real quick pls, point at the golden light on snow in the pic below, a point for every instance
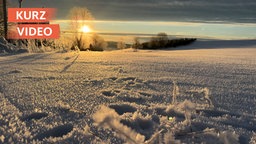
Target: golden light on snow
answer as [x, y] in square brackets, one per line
[85, 29]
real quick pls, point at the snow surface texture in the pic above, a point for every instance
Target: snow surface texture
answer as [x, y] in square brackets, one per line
[180, 96]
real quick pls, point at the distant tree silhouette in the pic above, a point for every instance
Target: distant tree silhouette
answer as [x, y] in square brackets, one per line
[161, 40]
[121, 44]
[136, 43]
[97, 43]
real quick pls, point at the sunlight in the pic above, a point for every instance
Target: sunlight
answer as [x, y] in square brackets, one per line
[85, 29]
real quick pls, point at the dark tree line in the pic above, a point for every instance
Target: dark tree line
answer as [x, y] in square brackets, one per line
[161, 40]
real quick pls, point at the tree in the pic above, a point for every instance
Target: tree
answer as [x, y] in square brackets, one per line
[5, 26]
[162, 36]
[79, 16]
[97, 43]
[3, 18]
[159, 41]
[121, 44]
[136, 43]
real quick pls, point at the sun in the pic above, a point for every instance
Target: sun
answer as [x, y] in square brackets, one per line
[85, 29]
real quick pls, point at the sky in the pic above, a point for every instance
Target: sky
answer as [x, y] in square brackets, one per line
[232, 19]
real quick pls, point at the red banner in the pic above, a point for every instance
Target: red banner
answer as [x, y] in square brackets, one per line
[35, 31]
[30, 14]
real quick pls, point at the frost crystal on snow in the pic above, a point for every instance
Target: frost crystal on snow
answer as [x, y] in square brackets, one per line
[229, 137]
[108, 118]
[207, 97]
[253, 138]
[188, 107]
[2, 138]
[175, 92]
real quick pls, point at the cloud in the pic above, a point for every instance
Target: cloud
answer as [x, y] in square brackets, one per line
[158, 10]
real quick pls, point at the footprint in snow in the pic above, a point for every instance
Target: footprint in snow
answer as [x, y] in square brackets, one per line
[35, 116]
[15, 72]
[124, 108]
[113, 78]
[108, 93]
[58, 131]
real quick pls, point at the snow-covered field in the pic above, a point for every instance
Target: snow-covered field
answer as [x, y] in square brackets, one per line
[125, 96]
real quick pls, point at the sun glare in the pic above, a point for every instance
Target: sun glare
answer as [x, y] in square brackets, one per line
[86, 29]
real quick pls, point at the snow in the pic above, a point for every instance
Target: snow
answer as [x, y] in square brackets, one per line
[6, 47]
[90, 97]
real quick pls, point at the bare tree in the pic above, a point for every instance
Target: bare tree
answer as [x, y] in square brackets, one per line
[79, 17]
[136, 43]
[121, 44]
